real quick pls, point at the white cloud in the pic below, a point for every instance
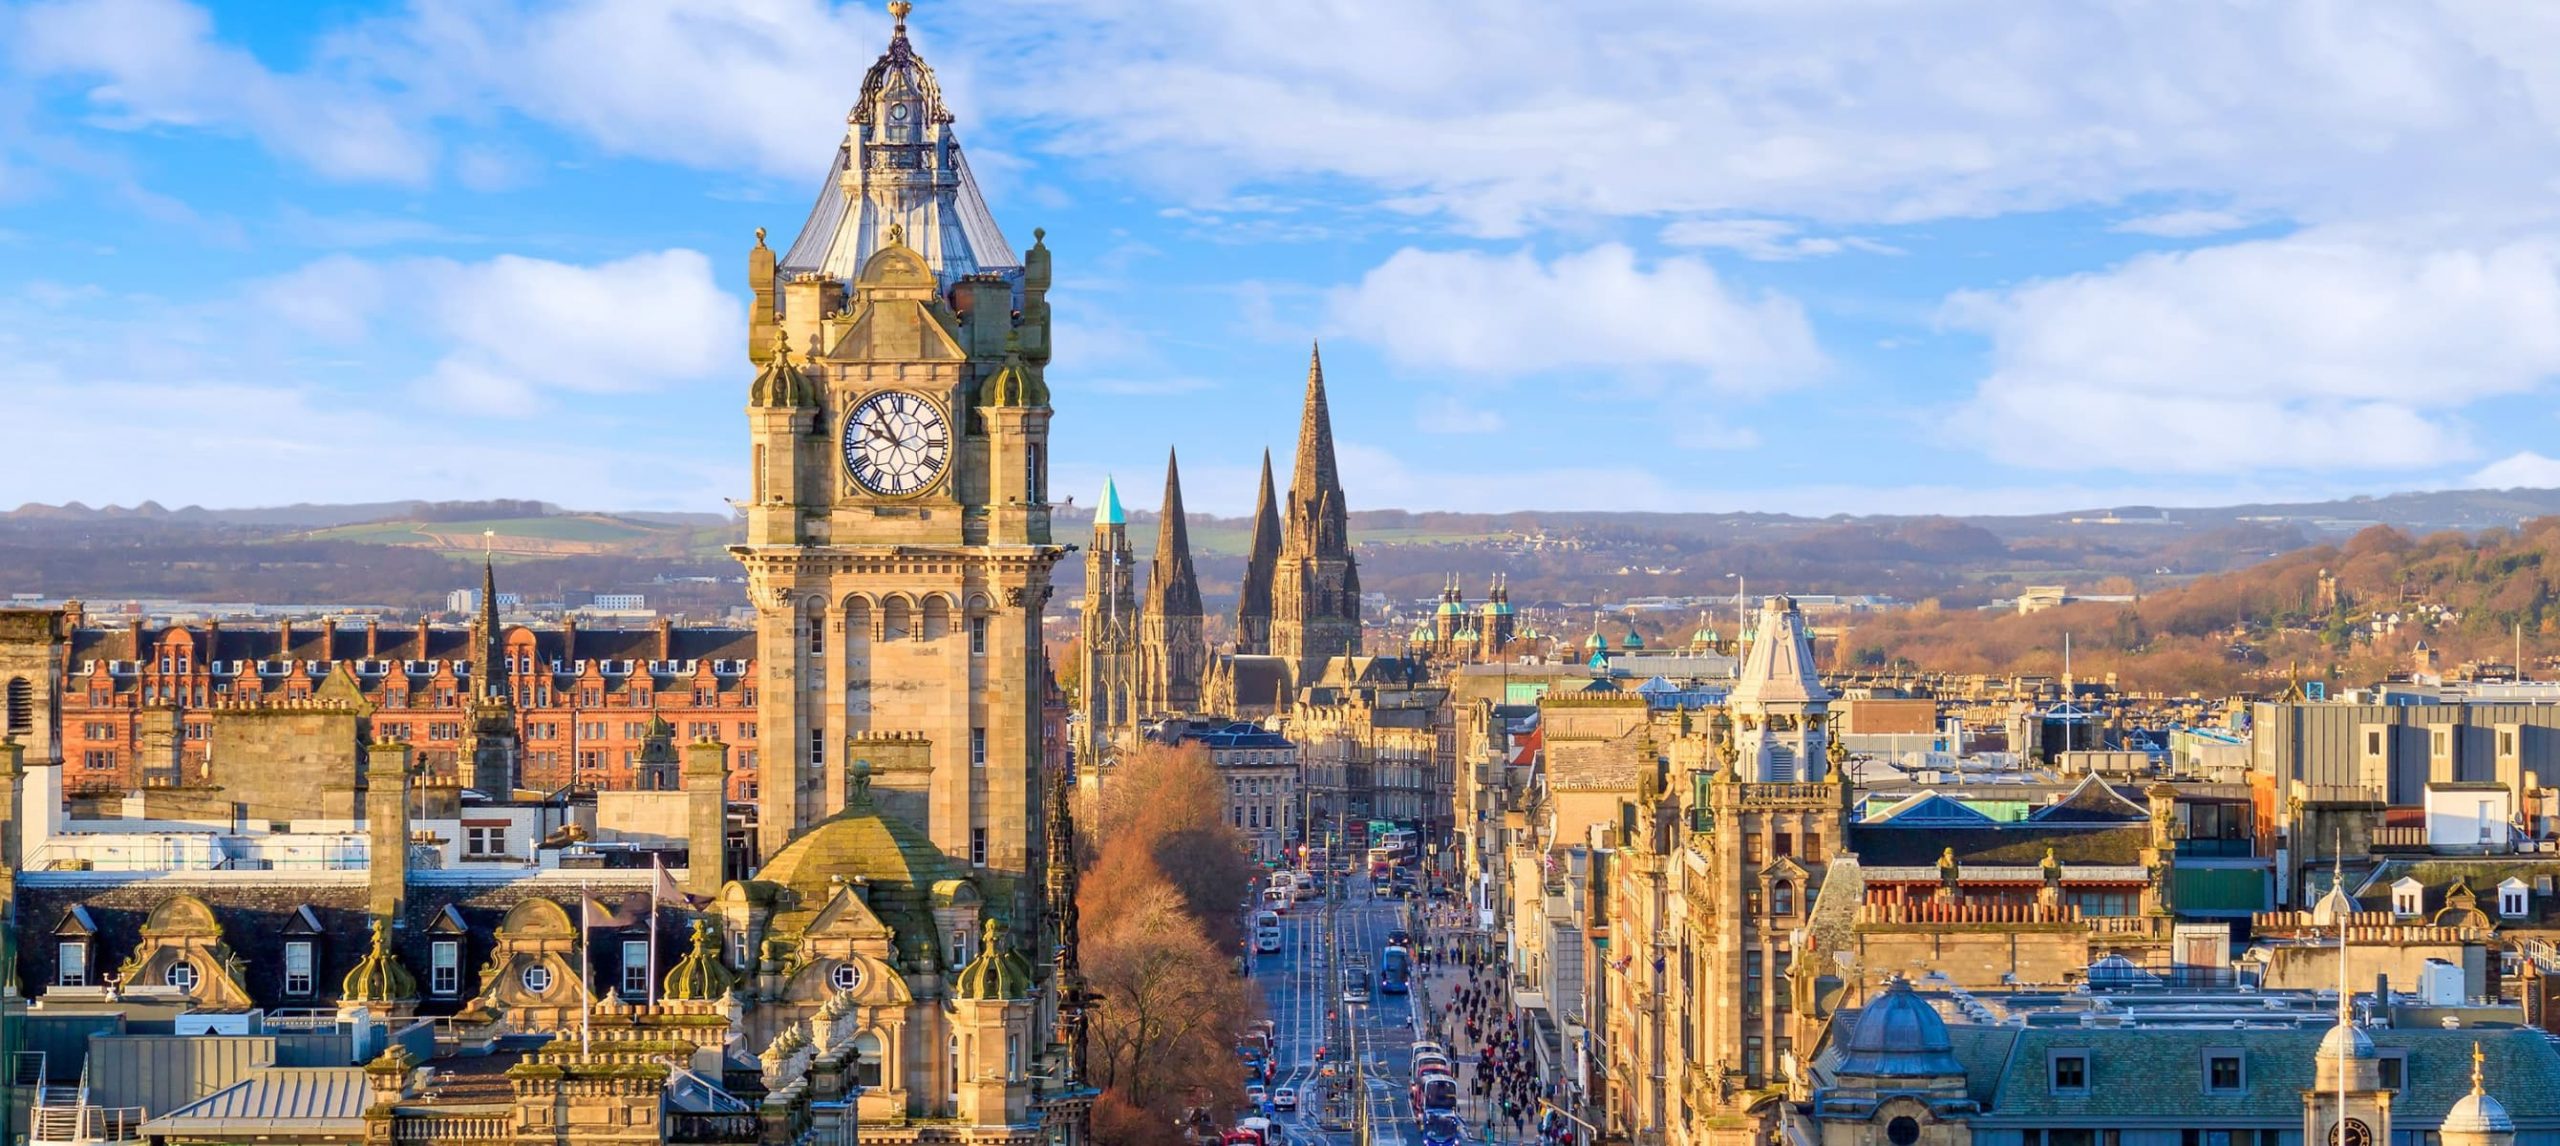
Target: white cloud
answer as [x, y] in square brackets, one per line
[1596, 311]
[2522, 470]
[2184, 224]
[514, 330]
[762, 84]
[158, 63]
[1449, 414]
[1768, 240]
[2312, 352]
[1508, 114]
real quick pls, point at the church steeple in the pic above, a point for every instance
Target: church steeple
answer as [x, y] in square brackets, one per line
[490, 675]
[1315, 591]
[1253, 595]
[1172, 584]
[1315, 487]
[1171, 649]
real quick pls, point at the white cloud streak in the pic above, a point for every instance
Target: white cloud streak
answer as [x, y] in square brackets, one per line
[1595, 311]
[2330, 352]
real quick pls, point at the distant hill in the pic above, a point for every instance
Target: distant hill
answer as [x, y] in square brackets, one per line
[2468, 596]
[1550, 557]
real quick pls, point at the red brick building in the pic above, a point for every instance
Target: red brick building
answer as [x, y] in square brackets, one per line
[138, 703]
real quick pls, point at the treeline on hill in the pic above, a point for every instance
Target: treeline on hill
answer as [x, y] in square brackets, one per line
[495, 509]
[104, 562]
[2250, 629]
[1160, 900]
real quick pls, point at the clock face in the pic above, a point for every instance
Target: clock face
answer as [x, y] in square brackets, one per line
[2352, 1132]
[896, 444]
[898, 111]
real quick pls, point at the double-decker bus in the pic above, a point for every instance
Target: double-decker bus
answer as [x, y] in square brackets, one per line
[1266, 931]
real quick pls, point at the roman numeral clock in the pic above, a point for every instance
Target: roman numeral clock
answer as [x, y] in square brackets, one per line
[896, 444]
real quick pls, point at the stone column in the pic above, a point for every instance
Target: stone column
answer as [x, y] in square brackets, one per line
[386, 813]
[706, 807]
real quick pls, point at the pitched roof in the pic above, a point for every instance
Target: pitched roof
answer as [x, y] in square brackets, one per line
[2094, 801]
[290, 1100]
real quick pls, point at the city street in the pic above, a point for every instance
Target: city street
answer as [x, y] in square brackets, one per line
[1302, 987]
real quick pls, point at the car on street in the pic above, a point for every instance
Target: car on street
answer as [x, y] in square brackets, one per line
[1399, 938]
[1443, 1130]
[1285, 1098]
[1253, 1093]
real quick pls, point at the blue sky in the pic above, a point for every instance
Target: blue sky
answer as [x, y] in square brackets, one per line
[1855, 256]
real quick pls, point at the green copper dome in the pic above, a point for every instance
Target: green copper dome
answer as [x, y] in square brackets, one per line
[699, 976]
[1596, 643]
[379, 977]
[895, 859]
[1635, 640]
[997, 973]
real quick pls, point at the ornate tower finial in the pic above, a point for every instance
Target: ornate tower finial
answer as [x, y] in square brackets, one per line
[2477, 1060]
[898, 10]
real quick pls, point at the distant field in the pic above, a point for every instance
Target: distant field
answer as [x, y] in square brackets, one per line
[561, 535]
[1231, 541]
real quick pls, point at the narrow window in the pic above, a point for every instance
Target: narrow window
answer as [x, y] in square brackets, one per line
[444, 963]
[71, 964]
[977, 636]
[977, 747]
[635, 967]
[297, 968]
[977, 847]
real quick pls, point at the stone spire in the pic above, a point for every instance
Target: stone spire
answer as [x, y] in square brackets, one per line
[1315, 590]
[1253, 595]
[490, 675]
[1172, 585]
[1315, 486]
[1171, 649]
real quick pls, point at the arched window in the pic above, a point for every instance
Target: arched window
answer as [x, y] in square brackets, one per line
[937, 618]
[866, 1061]
[1782, 898]
[897, 619]
[22, 705]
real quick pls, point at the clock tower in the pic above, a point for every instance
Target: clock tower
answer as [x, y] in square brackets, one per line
[898, 551]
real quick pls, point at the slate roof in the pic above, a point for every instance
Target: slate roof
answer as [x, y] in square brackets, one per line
[2093, 801]
[254, 918]
[1892, 845]
[2439, 874]
[2153, 1076]
[279, 1100]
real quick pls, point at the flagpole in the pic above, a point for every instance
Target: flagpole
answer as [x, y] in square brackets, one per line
[657, 876]
[586, 990]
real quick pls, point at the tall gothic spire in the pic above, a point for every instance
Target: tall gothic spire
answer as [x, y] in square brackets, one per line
[490, 673]
[1253, 595]
[1173, 587]
[1315, 475]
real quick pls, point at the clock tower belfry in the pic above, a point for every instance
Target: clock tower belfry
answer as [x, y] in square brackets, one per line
[898, 551]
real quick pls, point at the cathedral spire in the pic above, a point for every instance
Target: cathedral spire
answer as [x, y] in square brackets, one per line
[1253, 595]
[1172, 652]
[1315, 476]
[1173, 587]
[490, 673]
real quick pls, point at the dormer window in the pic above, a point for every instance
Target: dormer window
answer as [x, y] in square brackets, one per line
[2513, 900]
[2406, 897]
[71, 963]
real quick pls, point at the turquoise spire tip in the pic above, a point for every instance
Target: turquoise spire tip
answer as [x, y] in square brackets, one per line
[1110, 513]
